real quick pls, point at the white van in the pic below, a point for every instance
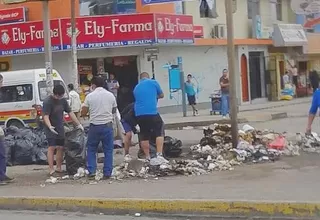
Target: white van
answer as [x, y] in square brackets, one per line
[22, 94]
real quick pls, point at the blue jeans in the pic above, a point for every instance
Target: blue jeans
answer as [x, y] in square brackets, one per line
[3, 165]
[97, 134]
[224, 104]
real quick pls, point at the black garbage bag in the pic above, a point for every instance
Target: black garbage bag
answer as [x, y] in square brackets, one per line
[9, 144]
[75, 151]
[27, 133]
[12, 130]
[41, 144]
[24, 152]
[172, 147]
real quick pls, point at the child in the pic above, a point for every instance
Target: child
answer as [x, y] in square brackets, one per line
[113, 85]
[191, 94]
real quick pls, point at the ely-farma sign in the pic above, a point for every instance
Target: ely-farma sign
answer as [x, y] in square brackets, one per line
[305, 7]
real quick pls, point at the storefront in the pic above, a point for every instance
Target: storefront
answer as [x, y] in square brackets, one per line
[117, 45]
[285, 54]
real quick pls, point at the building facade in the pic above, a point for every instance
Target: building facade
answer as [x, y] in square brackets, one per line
[202, 48]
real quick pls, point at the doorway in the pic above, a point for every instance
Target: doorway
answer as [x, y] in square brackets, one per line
[255, 74]
[244, 78]
[282, 71]
[126, 72]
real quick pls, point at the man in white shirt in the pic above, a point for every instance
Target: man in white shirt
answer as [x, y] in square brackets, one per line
[101, 105]
[75, 101]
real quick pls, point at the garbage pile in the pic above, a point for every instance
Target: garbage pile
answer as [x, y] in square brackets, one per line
[309, 142]
[25, 146]
[215, 153]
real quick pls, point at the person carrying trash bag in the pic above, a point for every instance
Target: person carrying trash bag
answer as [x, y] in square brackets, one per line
[102, 108]
[54, 107]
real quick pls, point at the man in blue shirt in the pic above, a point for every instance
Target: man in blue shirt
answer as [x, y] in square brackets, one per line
[313, 109]
[191, 94]
[146, 95]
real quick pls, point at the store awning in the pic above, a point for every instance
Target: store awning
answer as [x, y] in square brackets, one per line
[313, 46]
[289, 35]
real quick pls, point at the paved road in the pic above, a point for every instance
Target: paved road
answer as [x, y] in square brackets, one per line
[25, 215]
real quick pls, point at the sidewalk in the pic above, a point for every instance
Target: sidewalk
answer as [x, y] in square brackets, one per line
[287, 188]
[247, 113]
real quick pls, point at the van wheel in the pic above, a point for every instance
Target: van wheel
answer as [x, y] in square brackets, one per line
[15, 123]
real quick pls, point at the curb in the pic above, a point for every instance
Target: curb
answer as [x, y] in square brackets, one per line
[277, 106]
[280, 115]
[164, 207]
[180, 125]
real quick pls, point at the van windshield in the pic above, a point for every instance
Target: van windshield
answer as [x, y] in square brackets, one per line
[43, 89]
[16, 93]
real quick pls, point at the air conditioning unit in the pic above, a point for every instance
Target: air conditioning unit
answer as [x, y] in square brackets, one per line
[219, 31]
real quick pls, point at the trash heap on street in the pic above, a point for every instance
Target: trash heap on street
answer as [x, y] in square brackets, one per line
[309, 142]
[215, 153]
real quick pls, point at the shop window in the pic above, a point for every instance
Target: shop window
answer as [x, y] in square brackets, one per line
[253, 7]
[208, 9]
[279, 10]
[96, 7]
[17, 93]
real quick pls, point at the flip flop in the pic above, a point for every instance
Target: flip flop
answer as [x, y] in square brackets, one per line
[51, 173]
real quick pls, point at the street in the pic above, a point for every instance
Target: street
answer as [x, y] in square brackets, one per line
[15, 215]
[289, 179]
[26, 215]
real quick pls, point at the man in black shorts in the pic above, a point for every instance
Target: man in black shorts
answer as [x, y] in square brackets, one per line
[146, 95]
[54, 107]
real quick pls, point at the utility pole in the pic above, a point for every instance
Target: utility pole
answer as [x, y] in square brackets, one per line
[232, 74]
[183, 90]
[75, 76]
[47, 46]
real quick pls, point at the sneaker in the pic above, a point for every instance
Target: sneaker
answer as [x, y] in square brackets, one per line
[127, 158]
[2, 183]
[197, 113]
[224, 117]
[8, 179]
[91, 177]
[157, 161]
[106, 177]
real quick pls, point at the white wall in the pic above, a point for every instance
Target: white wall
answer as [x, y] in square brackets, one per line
[240, 18]
[205, 63]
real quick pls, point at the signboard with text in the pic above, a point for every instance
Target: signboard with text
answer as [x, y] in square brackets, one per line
[27, 37]
[305, 7]
[98, 32]
[151, 2]
[174, 29]
[198, 31]
[12, 15]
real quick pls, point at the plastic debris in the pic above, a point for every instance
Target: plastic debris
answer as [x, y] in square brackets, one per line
[188, 128]
[52, 180]
[65, 177]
